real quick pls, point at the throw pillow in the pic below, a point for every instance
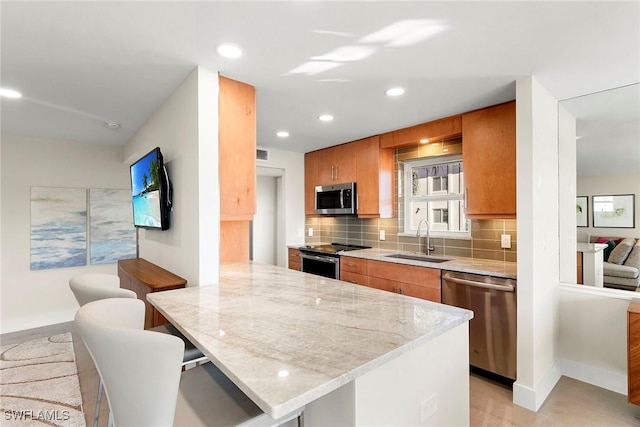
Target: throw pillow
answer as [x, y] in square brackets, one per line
[615, 240]
[633, 260]
[621, 251]
[607, 251]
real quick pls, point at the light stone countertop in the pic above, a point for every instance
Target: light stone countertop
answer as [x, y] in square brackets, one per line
[460, 264]
[287, 338]
[590, 247]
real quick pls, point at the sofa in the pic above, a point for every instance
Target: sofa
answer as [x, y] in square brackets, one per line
[621, 267]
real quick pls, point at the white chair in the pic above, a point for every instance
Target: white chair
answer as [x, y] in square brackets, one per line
[89, 287]
[142, 376]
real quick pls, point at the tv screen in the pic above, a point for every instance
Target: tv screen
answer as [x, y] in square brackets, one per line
[150, 192]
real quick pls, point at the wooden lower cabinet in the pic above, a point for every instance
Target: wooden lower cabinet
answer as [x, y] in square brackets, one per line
[144, 277]
[419, 282]
[633, 353]
[294, 260]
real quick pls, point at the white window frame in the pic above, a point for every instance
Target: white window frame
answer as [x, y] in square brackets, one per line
[433, 197]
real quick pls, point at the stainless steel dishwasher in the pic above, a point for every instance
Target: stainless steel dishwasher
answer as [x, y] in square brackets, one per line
[492, 331]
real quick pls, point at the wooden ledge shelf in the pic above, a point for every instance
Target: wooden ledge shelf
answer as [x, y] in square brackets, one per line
[144, 277]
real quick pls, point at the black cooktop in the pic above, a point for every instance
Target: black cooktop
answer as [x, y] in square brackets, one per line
[333, 248]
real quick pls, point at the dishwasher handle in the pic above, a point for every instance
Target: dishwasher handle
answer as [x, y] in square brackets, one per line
[503, 288]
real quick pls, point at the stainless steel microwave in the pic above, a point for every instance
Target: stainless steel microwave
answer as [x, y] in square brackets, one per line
[338, 199]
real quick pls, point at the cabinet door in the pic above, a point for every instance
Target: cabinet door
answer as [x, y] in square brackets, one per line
[310, 182]
[325, 167]
[344, 159]
[384, 284]
[633, 353]
[489, 161]
[237, 136]
[358, 279]
[422, 292]
[374, 178]
[294, 259]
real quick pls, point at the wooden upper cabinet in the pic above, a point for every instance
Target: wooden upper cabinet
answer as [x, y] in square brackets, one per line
[237, 136]
[435, 130]
[336, 165]
[310, 182]
[374, 179]
[489, 161]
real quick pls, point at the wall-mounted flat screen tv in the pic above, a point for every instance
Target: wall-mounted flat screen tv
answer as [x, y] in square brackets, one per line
[151, 192]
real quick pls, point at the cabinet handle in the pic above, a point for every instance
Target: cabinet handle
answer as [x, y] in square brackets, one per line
[333, 173]
[337, 173]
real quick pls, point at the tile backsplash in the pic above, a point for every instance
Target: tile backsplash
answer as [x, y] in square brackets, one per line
[484, 242]
[485, 234]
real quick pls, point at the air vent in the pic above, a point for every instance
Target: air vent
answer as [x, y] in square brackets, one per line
[262, 154]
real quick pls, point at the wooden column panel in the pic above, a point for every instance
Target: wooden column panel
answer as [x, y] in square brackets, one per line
[237, 148]
[234, 241]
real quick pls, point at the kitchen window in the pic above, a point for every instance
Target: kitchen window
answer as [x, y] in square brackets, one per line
[434, 191]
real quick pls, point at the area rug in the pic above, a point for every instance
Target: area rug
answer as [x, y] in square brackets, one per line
[39, 383]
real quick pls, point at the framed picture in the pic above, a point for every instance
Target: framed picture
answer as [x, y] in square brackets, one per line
[582, 212]
[614, 211]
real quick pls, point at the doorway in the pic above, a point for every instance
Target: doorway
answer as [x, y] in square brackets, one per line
[267, 227]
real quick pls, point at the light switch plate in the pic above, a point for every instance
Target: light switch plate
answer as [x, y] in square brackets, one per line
[505, 241]
[383, 235]
[310, 232]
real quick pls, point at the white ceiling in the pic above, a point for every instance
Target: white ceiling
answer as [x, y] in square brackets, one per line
[79, 64]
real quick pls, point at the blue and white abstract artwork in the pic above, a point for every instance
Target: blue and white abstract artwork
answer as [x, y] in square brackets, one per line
[58, 227]
[113, 236]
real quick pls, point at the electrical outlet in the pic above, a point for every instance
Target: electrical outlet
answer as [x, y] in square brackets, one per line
[505, 241]
[383, 235]
[310, 232]
[428, 407]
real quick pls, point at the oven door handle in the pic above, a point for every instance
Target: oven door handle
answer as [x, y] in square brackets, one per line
[320, 258]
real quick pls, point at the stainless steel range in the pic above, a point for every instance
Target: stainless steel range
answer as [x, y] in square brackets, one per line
[324, 260]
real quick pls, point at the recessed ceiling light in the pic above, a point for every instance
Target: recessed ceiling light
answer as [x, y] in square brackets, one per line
[325, 117]
[282, 133]
[229, 50]
[395, 91]
[112, 125]
[10, 93]
[424, 140]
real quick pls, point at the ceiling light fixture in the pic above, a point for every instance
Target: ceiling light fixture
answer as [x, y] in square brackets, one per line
[424, 140]
[282, 133]
[325, 117]
[229, 50]
[112, 125]
[10, 93]
[395, 91]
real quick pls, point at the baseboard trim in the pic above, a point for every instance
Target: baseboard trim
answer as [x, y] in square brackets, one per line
[598, 377]
[532, 399]
[37, 321]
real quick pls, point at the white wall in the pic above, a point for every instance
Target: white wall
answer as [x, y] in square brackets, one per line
[593, 328]
[292, 199]
[612, 184]
[538, 265]
[567, 195]
[36, 298]
[185, 127]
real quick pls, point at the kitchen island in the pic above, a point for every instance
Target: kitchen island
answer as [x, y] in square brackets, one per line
[350, 355]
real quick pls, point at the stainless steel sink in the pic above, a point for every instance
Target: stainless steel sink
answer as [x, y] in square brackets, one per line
[423, 258]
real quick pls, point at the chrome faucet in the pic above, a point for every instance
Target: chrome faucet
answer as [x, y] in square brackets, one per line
[428, 249]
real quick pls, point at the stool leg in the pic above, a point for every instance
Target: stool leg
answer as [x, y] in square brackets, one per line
[98, 402]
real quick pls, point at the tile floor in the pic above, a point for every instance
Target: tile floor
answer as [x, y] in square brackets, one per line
[571, 403]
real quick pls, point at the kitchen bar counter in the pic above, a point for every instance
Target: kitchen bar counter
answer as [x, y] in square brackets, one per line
[353, 355]
[460, 264]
